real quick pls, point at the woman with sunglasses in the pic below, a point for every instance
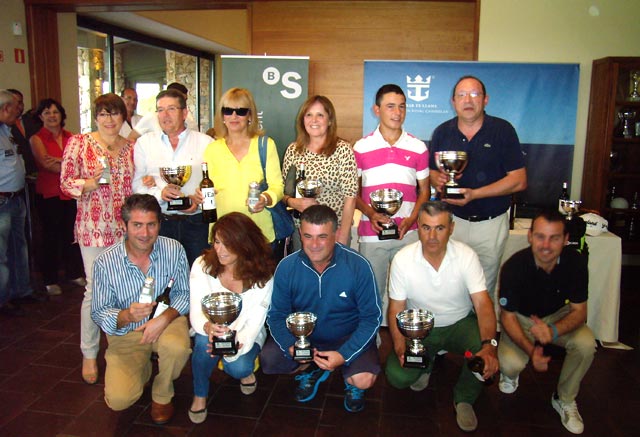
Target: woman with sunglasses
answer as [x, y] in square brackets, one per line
[97, 170]
[234, 162]
[57, 211]
[238, 261]
[327, 158]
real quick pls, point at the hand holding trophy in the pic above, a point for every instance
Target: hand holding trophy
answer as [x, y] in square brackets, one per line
[223, 308]
[453, 163]
[301, 325]
[415, 324]
[177, 175]
[387, 201]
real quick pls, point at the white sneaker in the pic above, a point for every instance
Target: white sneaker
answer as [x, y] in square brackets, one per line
[569, 414]
[80, 281]
[421, 383]
[54, 290]
[508, 385]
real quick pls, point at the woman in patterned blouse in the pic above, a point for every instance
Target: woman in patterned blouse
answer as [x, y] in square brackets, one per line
[98, 222]
[327, 158]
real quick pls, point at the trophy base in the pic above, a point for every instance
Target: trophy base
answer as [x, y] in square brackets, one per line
[179, 204]
[414, 361]
[302, 353]
[389, 233]
[222, 346]
[452, 192]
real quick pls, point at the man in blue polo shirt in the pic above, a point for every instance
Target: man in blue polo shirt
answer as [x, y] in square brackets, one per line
[494, 171]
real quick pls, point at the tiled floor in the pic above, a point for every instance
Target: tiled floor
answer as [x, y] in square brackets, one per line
[41, 393]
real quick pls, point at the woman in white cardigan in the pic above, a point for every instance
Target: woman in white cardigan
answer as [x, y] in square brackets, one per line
[238, 261]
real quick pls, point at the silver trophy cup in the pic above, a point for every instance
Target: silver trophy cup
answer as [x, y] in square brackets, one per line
[415, 324]
[634, 96]
[453, 163]
[178, 175]
[626, 117]
[569, 207]
[223, 308]
[301, 325]
[387, 201]
[309, 188]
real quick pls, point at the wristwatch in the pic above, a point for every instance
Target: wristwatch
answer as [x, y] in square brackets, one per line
[492, 341]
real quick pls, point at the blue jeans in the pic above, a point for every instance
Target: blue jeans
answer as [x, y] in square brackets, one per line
[14, 262]
[190, 232]
[202, 364]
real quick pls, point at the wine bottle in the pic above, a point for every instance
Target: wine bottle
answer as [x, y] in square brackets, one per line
[148, 290]
[162, 302]
[209, 211]
[301, 177]
[564, 195]
[476, 365]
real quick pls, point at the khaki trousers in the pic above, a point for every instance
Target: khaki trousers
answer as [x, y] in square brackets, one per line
[129, 365]
[579, 344]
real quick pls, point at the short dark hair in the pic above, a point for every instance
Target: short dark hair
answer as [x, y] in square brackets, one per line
[142, 202]
[111, 103]
[468, 76]
[319, 215]
[15, 91]
[551, 215]
[127, 88]
[179, 87]
[175, 94]
[435, 207]
[48, 103]
[386, 89]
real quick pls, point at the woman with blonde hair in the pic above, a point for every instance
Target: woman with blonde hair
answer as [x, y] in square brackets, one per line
[234, 162]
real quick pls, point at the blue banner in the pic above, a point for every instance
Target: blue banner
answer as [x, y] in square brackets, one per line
[539, 100]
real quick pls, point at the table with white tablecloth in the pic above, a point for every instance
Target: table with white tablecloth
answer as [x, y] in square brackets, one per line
[605, 263]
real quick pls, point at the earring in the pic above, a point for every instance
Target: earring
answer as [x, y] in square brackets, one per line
[249, 122]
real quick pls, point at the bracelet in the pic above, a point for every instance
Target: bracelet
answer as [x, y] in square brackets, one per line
[555, 331]
[266, 199]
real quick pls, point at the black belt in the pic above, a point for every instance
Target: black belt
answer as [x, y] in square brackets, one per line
[11, 194]
[478, 218]
[175, 217]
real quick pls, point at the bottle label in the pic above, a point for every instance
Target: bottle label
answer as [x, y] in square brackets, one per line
[145, 297]
[161, 308]
[209, 201]
[478, 376]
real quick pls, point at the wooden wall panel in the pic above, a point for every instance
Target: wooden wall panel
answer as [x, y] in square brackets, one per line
[339, 36]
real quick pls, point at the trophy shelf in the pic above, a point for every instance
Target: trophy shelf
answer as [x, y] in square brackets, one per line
[612, 159]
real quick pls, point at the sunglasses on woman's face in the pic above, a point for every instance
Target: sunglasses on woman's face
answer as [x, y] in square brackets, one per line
[240, 112]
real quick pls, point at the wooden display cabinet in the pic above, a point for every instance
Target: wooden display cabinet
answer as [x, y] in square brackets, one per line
[612, 159]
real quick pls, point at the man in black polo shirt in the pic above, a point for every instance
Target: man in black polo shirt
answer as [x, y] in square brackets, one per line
[543, 296]
[494, 171]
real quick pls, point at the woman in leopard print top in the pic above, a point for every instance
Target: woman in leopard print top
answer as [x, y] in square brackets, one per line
[327, 158]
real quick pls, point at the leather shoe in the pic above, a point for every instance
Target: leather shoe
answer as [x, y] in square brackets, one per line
[11, 310]
[161, 413]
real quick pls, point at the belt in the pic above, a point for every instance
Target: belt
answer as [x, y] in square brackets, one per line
[11, 194]
[478, 218]
[175, 217]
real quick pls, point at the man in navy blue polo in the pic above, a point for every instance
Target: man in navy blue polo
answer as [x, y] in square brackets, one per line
[494, 171]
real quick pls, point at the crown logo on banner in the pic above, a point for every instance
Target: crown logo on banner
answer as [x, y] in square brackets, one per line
[418, 88]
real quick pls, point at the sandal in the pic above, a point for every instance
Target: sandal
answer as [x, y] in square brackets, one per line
[249, 387]
[89, 377]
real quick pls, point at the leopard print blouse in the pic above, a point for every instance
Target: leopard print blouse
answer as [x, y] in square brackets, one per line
[338, 173]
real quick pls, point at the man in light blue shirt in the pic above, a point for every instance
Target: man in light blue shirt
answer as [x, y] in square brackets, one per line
[119, 274]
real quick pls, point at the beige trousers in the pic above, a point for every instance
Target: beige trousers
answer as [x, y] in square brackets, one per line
[579, 344]
[129, 365]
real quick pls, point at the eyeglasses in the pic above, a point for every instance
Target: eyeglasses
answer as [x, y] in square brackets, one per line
[170, 109]
[472, 94]
[241, 112]
[104, 115]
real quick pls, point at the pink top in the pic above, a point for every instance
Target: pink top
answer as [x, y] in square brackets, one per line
[98, 221]
[48, 182]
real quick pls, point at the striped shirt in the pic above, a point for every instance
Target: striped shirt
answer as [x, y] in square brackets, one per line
[381, 165]
[117, 282]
